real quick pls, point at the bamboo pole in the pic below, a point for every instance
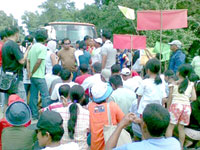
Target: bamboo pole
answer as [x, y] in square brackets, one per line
[161, 29]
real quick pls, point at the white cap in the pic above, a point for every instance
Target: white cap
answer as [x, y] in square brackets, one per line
[98, 40]
[101, 91]
[176, 42]
[125, 71]
[106, 73]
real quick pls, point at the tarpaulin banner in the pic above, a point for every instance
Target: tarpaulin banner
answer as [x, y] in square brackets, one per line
[171, 19]
[165, 50]
[129, 41]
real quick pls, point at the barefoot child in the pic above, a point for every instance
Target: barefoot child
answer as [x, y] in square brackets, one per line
[180, 94]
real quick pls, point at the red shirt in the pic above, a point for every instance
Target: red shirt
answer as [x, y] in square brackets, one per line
[134, 73]
[1, 45]
[80, 80]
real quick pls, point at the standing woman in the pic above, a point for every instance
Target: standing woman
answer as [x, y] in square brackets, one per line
[51, 58]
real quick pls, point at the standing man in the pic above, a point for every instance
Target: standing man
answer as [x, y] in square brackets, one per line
[66, 56]
[36, 72]
[178, 57]
[108, 53]
[96, 57]
[12, 61]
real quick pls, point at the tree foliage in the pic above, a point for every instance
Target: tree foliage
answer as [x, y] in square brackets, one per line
[6, 20]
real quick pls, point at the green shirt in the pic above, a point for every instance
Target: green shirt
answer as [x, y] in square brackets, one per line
[38, 51]
[124, 98]
[18, 138]
[196, 65]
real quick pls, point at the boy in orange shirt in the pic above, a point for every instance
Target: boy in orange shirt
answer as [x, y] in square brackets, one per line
[99, 116]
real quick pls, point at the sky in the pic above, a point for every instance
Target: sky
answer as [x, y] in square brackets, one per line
[17, 7]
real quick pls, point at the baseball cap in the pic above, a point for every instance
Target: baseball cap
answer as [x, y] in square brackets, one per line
[176, 42]
[98, 40]
[125, 71]
[101, 91]
[106, 74]
[49, 120]
[18, 113]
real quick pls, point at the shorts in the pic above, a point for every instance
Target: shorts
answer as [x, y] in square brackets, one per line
[180, 113]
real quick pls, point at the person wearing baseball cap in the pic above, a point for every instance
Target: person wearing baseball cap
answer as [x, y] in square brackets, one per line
[50, 131]
[130, 82]
[100, 92]
[96, 56]
[178, 57]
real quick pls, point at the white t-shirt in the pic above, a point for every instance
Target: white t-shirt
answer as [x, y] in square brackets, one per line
[96, 56]
[78, 53]
[48, 64]
[151, 93]
[68, 146]
[162, 76]
[55, 94]
[90, 81]
[132, 83]
[49, 79]
[108, 50]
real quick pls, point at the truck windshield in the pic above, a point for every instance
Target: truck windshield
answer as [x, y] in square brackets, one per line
[74, 32]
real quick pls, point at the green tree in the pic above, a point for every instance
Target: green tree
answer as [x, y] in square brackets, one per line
[54, 10]
[32, 21]
[6, 20]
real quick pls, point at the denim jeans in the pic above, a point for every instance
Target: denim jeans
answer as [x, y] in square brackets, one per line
[21, 91]
[38, 84]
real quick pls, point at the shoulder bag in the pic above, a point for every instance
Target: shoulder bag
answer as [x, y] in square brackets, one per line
[7, 81]
[124, 137]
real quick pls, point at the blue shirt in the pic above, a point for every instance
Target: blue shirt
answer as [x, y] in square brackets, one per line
[153, 144]
[85, 58]
[177, 58]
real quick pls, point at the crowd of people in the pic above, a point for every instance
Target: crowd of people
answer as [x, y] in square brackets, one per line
[64, 95]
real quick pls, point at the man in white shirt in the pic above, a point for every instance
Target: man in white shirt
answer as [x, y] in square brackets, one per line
[96, 56]
[108, 53]
[130, 82]
[55, 75]
[66, 77]
[90, 81]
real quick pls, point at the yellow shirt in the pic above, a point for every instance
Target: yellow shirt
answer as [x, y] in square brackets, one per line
[182, 98]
